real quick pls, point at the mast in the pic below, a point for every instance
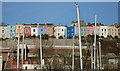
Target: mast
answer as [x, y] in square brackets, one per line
[22, 49]
[92, 58]
[78, 17]
[73, 55]
[100, 54]
[41, 52]
[95, 43]
[18, 47]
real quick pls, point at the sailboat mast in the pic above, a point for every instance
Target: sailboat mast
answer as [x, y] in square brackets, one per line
[100, 53]
[41, 52]
[22, 49]
[78, 17]
[18, 47]
[95, 43]
[73, 55]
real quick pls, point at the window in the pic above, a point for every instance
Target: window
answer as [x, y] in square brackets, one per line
[18, 26]
[105, 29]
[102, 33]
[2, 31]
[10, 30]
[68, 34]
[118, 29]
[62, 29]
[68, 30]
[26, 30]
[72, 34]
[41, 29]
[48, 30]
[58, 34]
[72, 29]
[33, 30]
[102, 29]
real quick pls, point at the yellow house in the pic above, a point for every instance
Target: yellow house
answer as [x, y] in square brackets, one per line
[19, 27]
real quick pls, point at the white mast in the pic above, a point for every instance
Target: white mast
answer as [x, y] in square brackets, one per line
[23, 49]
[18, 47]
[95, 43]
[41, 51]
[73, 55]
[91, 58]
[78, 15]
[100, 53]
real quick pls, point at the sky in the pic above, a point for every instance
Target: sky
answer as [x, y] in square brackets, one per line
[58, 12]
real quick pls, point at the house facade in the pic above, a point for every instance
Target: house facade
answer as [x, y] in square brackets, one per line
[41, 29]
[113, 31]
[11, 31]
[34, 29]
[20, 28]
[90, 30]
[72, 31]
[3, 31]
[60, 31]
[27, 32]
[83, 31]
[50, 29]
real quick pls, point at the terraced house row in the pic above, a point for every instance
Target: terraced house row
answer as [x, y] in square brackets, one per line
[11, 31]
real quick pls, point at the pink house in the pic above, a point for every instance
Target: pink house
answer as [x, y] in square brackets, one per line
[90, 30]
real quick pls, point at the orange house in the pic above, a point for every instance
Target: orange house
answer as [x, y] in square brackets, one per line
[49, 29]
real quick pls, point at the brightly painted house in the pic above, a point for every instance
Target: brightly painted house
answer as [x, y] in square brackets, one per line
[41, 29]
[27, 32]
[11, 31]
[50, 29]
[90, 30]
[34, 29]
[60, 31]
[83, 31]
[72, 31]
[20, 28]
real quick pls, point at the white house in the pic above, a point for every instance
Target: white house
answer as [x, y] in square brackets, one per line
[3, 32]
[106, 30]
[34, 29]
[60, 31]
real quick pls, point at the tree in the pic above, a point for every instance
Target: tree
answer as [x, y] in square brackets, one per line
[45, 36]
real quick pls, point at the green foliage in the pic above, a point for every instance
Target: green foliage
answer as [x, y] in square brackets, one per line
[84, 52]
[45, 36]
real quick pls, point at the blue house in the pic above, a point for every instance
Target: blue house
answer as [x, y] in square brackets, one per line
[11, 31]
[41, 30]
[72, 31]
